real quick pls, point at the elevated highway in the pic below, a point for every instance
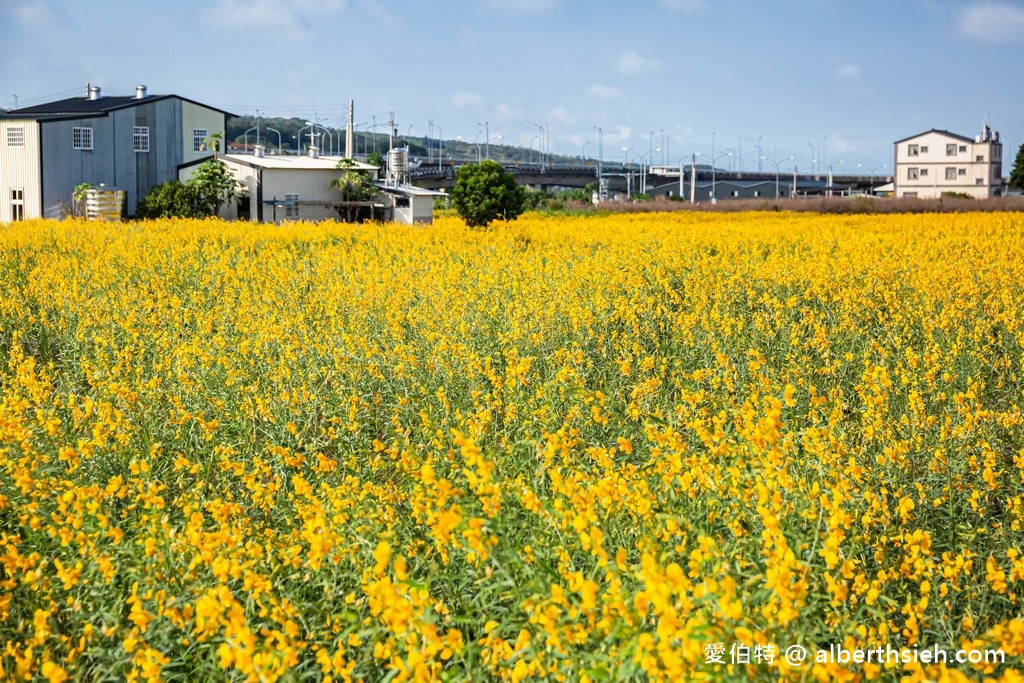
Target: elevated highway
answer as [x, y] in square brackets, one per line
[547, 176]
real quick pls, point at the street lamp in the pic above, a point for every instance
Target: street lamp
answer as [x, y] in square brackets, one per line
[278, 139]
[245, 137]
[714, 160]
[643, 169]
[871, 170]
[829, 166]
[540, 142]
[777, 164]
[583, 155]
[535, 137]
[440, 146]
[487, 138]
[600, 155]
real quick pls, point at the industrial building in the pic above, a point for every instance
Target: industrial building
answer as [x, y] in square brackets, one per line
[129, 142]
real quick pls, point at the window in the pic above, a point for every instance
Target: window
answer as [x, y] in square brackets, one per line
[950, 174]
[980, 158]
[140, 138]
[912, 173]
[291, 208]
[961, 171]
[909, 194]
[199, 135]
[924, 172]
[950, 150]
[924, 149]
[912, 150]
[81, 138]
[17, 204]
[979, 181]
[16, 136]
[757, 193]
[735, 193]
[963, 148]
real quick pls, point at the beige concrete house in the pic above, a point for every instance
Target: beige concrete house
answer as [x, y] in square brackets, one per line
[932, 163]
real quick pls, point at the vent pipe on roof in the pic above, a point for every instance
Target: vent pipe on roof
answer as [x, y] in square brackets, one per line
[140, 92]
[94, 92]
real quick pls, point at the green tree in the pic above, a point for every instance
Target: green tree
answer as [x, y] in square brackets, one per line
[213, 184]
[484, 192]
[172, 199]
[1017, 174]
[357, 190]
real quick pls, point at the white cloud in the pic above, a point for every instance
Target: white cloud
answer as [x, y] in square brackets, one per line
[38, 14]
[848, 72]
[623, 133]
[630, 63]
[992, 22]
[563, 116]
[505, 112]
[528, 6]
[284, 17]
[463, 99]
[605, 92]
[685, 5]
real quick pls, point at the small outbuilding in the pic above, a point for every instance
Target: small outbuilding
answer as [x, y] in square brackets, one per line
[408, 204]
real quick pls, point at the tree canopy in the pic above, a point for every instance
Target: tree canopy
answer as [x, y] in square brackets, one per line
[200, 196]
[1017, 174]
[357, 190]
[485, 192]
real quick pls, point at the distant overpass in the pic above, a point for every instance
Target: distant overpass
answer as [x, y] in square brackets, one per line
[546, 176]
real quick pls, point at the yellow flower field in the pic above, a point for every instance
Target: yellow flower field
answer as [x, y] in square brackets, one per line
[571, 448]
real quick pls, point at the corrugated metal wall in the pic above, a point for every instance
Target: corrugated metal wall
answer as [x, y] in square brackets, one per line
[19, 169]
[312, 185]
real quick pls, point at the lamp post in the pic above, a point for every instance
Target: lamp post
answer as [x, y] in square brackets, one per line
[488, 144]
[583, 154]
[600, 155]
[777, 164]
[440, 147]
[487, 138]
[829, 166]
[535, 137]
[732, 156]
[811, 145]
[327, 133]
[278, 139]
[714, 160]
[540, 141]
[871, 170]
[643, 169]
[245, 138]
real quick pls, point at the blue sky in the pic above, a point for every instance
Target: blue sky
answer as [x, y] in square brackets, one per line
[819, 80]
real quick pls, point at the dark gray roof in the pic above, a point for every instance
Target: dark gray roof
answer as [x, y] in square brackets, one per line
[88, 107]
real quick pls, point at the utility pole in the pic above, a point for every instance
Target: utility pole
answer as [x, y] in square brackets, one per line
[349, 129]
[693, 178]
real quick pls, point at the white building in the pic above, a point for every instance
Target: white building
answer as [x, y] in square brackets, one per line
[936, 162]
[293, 188]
